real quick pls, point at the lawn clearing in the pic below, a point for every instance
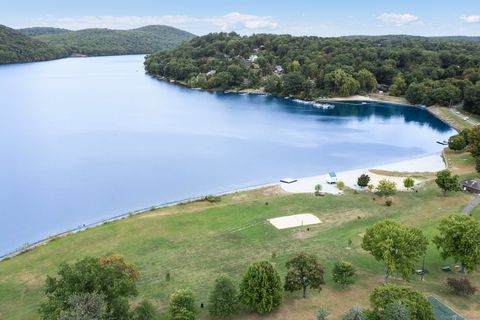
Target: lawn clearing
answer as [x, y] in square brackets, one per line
[296, 220]
[196, 242]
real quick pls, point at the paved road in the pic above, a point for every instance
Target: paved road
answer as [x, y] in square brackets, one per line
[453, 111]
[469, 208]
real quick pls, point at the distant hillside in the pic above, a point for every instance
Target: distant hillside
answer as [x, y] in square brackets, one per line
[425, 71]
[17, 47]
[38, 31]
[101, 42]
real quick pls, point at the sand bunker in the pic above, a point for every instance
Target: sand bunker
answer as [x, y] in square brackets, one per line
[297, 220]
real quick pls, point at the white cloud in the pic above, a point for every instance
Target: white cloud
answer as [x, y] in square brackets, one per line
[398, 19]
[230, 21]
[235, 20]
[471, 19]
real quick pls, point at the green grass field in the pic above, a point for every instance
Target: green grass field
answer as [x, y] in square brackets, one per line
[197, 241]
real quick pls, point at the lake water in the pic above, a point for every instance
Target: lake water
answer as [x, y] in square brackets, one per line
[86, 139]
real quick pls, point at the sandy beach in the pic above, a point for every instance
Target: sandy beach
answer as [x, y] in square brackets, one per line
[426, 164]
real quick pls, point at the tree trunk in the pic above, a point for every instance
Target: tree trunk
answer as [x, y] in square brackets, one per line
[462, 270]
[304, 291]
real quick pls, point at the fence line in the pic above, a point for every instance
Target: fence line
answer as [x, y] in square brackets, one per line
[31, 246]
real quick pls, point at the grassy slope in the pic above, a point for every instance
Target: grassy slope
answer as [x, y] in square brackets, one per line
[197, 241]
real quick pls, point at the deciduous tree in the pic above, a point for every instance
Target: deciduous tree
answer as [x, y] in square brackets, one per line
[304, 271]
[418, 305]
[447, 182]
[399, 247]
[457, 142]
[343, 273]
[363, 180]
[182, 305]
[261, 287]
[223, 300]
[110, 277]
[459, 239]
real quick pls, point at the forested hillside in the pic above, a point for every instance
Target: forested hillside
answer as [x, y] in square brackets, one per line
[17, 47]
[38, 31]
[424, 70]
[101, 42]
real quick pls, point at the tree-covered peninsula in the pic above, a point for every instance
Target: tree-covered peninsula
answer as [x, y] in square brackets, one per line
[103, 42]
[425, 71]
[17, 47]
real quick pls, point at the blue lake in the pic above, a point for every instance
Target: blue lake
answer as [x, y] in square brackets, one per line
[86, 139]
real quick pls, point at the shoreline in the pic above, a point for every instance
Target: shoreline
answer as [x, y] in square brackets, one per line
[303, 185]
[418, 166]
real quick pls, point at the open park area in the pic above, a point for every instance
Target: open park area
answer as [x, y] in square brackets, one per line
[195, 242]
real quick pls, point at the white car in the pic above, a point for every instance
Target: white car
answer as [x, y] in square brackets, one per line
[466, 118]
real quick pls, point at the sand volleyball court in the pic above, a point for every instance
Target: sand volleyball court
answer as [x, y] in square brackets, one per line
[296, 220]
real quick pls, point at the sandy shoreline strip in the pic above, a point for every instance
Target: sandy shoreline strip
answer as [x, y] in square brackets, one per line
[425, 164]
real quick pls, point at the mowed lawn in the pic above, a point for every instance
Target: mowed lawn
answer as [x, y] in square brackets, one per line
[196, 242]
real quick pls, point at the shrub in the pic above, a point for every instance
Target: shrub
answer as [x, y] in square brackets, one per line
[363, 180]
[144, 311]
[371, 187]
[461, 286]
[388, 202]
[318, 188]
[355, 313]
[322, 314]
[343, 273]
[223, 300]
[182, 305]
[386, 188]
[212, 199]
[340, 185]
[408, 182]
[477, 164]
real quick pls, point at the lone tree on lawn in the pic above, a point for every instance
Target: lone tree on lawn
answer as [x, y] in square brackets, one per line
[459, 239]
[343, 273]
[408, 182]
[304, 271]
[447, 182]
[261, 287]
[223, 300]
[363, 180]
[399, 247]
[182, 305]
[386, 188]
[418, 305]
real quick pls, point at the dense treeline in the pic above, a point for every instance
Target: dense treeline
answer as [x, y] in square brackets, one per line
[101, 42]
[38, 31]
[424, 70]
[17, 47]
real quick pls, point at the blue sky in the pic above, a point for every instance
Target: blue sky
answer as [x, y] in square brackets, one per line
[301, 17]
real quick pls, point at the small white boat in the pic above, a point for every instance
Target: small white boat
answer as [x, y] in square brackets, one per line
[443, 143]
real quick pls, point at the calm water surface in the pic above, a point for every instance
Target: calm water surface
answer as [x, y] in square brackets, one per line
[85, 139]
